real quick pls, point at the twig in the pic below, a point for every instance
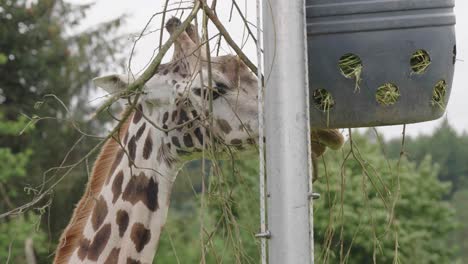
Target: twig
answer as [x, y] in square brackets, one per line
[212, 16]
[163, 20]
[245, 21]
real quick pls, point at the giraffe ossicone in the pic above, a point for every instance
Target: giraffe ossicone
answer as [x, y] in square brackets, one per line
[123, 211]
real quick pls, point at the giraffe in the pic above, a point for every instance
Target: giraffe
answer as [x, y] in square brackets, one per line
[122, 213]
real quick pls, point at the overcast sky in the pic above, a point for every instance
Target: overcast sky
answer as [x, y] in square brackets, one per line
[140, 11]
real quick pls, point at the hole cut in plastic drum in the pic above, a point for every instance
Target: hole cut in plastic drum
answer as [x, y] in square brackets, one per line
[420, 61]
[323, 100]
[387, 94]
[351, 67]
[439, 93]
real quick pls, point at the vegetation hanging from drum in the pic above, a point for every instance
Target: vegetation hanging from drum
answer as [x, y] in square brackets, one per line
[324, 101]
[351, 67]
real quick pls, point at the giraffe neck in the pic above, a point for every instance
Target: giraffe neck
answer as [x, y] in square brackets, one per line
[130, 211]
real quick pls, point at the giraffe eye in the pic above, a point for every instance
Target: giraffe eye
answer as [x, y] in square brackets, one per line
[221, 87]
[219, 90]
[197, 91]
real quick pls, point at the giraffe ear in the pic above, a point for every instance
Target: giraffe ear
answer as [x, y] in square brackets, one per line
[193, 33]
[113, 83]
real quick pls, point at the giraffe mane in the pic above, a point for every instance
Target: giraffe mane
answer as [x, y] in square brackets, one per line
[72, 235]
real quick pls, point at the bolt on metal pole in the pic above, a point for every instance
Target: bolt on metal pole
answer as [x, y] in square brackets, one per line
[287, 131]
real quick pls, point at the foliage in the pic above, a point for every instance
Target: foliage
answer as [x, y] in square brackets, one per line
[15, 230]
[3, 58]
[448, 150]
[229, 223]
[12, 165]
[47, 62]
[458, 237]
[14, 233]
[445, 147]
[366, 227]
[355, 220]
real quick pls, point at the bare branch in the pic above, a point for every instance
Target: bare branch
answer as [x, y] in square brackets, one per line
[212, 16]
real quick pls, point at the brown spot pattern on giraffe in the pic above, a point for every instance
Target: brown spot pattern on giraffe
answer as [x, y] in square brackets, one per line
[138, 114]
[117, 186]
[182, 117]
[132, 148]
[117, 160]
[133, 261]
[224, 125]
[140, 131]
[99, 213]
[99, 242]
[140, 236]
[175, 141]
[147, 147]
[199, 135]
[188, 140]
[83, 249]
[122, 220]
[142, 189]
[236, 142]
[113, 257]
[165, 117]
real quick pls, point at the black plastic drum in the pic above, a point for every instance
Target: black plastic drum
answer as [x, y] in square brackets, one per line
[379, 62]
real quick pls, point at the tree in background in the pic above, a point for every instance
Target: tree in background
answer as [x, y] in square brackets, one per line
[447, 149]
[230, 218]
[422, 219]
[15, 230]
[372, 206]
[459, 236]
[46, 65]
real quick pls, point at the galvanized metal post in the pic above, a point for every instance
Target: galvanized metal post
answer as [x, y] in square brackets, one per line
[287, 131]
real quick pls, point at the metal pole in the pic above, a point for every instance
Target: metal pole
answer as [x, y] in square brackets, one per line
[287, 131]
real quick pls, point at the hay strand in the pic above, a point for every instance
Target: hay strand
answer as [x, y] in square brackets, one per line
[438, 94]
[420, 61]
[387, 94]
[324, 101]
[351, 67]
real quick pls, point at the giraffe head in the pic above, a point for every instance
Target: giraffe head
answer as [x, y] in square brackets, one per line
[184, 84]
